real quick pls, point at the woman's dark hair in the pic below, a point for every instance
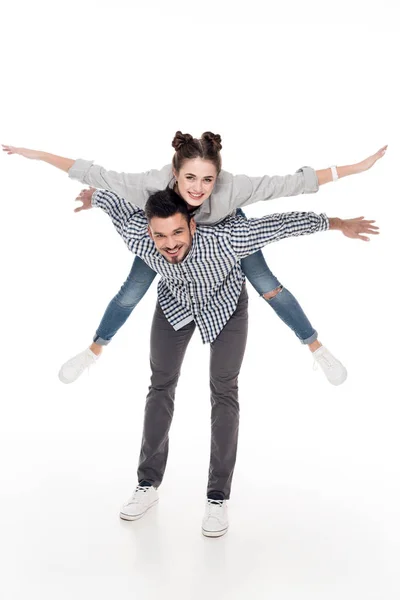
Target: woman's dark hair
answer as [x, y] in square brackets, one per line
[165, 203]
[186, 147]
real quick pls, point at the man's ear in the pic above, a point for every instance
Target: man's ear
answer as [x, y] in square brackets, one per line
[192, 225]
[150, 232]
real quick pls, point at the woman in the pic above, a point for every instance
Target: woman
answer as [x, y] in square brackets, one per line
[212, 194]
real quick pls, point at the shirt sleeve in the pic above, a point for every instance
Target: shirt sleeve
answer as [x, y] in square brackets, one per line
[249, 235]
[133, 187]
[248, 190]
[129, 221]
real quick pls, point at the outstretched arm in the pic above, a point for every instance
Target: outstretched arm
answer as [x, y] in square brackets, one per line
[57, 161]
[136, 187]
[326, 175]
[248, 190]
[133, 187]
[249, 235]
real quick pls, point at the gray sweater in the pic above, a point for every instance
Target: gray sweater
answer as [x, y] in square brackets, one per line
[230, 191]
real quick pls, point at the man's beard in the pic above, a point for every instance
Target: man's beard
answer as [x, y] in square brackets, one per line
[175, 259]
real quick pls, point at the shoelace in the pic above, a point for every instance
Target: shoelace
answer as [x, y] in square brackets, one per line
[89, 367]
[326, 360]
[139, 488]
[91, 364]
[214, 505]
[83, 365]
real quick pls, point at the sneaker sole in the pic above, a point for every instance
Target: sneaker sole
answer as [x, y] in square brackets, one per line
[126, 517]
[339, 381]
[214, 533]
[66, 380]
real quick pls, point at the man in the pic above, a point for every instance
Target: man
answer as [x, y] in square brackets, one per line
[201, 284]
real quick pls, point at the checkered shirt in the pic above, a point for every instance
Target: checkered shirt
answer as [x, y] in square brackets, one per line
[206, 285]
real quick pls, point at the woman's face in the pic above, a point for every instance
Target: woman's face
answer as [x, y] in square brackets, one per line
[196, 181]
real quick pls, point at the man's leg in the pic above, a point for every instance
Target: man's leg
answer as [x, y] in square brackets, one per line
[226, 358]
[167, 350]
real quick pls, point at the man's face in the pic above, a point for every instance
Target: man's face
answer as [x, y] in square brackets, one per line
[172, 236]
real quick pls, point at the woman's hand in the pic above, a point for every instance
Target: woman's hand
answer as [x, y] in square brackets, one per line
[33, 154]
[86, 198]
[369, 162]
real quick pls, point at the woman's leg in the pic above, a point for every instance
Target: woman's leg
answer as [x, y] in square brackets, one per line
[290, 312]
[140, 278]
[136, 285]
[279, 298]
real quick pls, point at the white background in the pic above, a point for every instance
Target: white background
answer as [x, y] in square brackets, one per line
[314, 508]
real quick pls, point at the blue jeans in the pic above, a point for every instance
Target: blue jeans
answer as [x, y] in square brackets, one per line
[254, 267]
[284, 303]
[117, 312]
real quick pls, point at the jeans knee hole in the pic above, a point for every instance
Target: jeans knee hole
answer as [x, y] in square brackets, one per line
[273, 294]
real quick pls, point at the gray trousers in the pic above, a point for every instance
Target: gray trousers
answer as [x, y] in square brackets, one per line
[167, 350]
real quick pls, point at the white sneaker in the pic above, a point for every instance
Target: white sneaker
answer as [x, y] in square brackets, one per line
[333, 369]
[215, 521]
[74, 367]
[143, 498]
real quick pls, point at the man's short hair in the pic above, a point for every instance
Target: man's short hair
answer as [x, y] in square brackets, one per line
[166, 203]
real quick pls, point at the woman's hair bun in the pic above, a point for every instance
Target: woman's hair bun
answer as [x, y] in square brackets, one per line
[212, 138]
[181, 139]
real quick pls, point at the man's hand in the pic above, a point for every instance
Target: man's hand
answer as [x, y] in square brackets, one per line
[33, 154]
[86, 198]
[353, 228]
